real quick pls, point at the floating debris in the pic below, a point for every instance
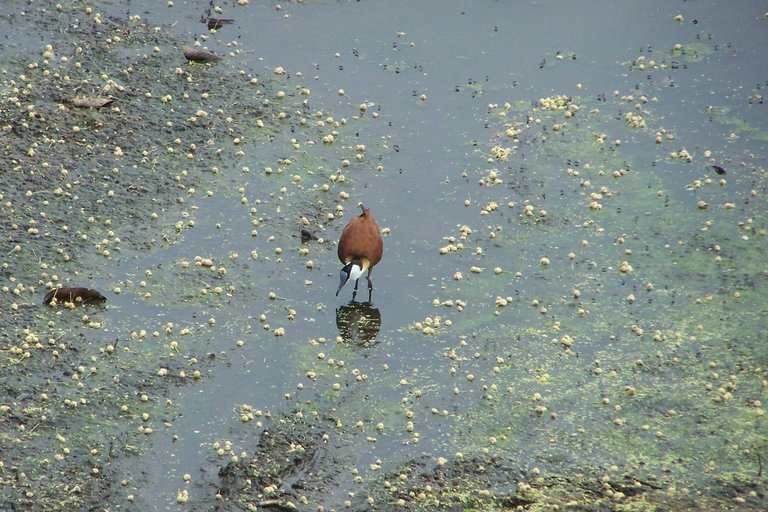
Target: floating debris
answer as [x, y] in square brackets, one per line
[198, 55]
[306, 236]
[217, 23]
[92, 101]
[73, 295]
[719, 170]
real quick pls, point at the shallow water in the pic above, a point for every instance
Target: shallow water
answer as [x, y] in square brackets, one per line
[566, 362]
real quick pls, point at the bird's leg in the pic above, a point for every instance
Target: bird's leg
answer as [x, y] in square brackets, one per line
[370, 285]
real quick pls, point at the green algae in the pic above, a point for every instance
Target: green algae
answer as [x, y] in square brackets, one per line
[651, 409]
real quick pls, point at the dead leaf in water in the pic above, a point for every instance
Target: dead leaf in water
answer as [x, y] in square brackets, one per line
[718, 169]
[306, 236]
[217, 23]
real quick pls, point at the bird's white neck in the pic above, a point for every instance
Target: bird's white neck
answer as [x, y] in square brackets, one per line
[355, 272]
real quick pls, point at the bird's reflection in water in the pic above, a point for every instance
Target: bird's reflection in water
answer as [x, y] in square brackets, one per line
[358, 322]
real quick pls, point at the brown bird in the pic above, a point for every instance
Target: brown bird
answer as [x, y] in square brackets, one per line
[360, 249]
[199, 55]
[74, 295]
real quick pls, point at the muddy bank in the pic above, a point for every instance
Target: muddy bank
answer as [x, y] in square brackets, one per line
[106, 134]
[296, 466]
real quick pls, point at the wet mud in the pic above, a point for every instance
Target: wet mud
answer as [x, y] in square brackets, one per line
[88, 118]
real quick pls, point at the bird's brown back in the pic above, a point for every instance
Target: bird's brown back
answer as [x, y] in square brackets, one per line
[361, 237]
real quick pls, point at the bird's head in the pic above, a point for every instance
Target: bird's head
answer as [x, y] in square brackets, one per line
[351, 271]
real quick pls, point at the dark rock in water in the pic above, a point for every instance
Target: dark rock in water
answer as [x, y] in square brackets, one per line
[74, 295]
[198, 55]
[718, 169]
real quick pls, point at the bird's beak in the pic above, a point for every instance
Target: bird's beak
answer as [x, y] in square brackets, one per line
[344, 276]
